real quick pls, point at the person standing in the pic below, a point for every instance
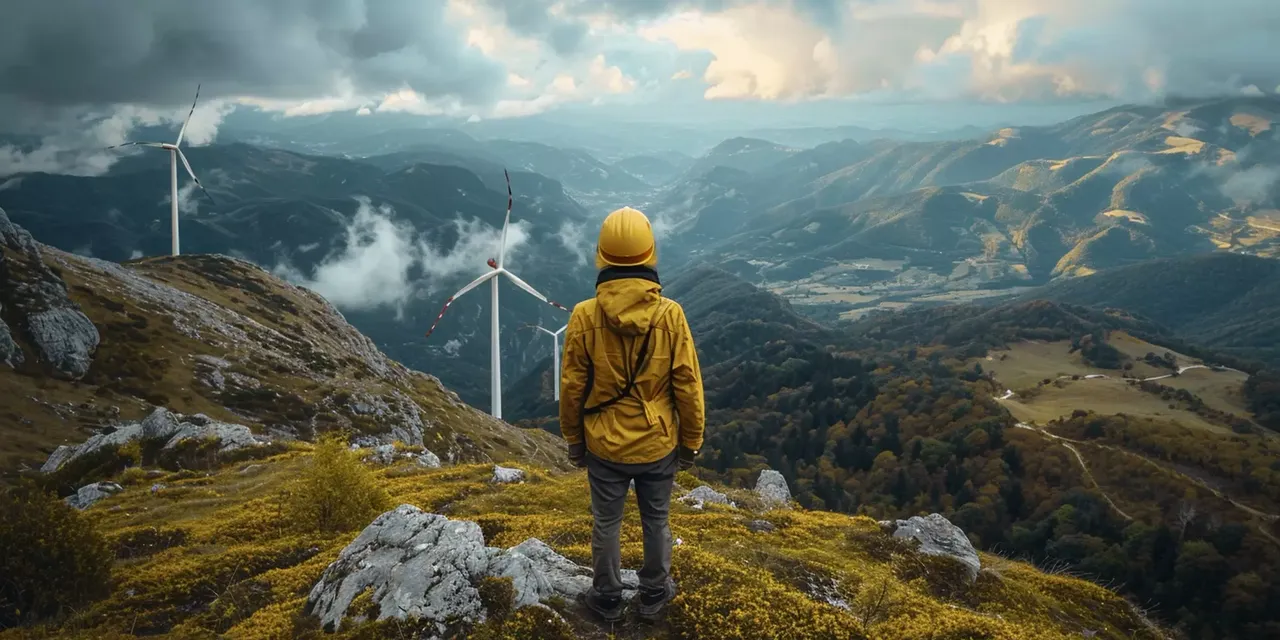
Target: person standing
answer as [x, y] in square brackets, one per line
[631, 408]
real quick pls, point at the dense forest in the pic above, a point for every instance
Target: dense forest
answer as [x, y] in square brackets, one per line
[886, 418]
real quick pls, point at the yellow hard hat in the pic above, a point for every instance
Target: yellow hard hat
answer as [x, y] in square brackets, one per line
[626, 240]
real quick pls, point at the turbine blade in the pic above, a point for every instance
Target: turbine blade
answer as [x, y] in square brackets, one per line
[193, 176]
[473, 284]
[533, 292]
[183, 130]
[502, 248]
[157, 145]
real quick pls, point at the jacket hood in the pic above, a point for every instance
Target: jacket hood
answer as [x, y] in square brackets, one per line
[629, 299]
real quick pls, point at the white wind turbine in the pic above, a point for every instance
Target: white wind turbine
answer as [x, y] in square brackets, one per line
[555, 342]
[174, 155]
[497, 270]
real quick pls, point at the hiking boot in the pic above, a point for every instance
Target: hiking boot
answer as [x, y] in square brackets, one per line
[651, 602]
[608, 608]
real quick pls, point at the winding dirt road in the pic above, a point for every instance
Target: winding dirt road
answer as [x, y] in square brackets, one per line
[1071, 444]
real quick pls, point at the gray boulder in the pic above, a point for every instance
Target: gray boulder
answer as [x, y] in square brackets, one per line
[230, 437]
[89, 494]
[423, 566]
[700, 496]
[429, 460]
[162, 424]
[772, 488]
[761, 526]
[65, 337]
[383, 454]
[537, 572]
[506, 475]
[419, 566]
[938, 537]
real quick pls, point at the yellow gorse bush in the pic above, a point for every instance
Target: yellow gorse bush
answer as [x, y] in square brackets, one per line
[335, 492]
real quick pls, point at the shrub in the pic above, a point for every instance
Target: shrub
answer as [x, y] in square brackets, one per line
[527, 622]
[335, 492]
[52, 557]
[498, 595]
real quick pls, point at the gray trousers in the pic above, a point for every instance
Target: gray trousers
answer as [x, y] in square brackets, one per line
[609, 483]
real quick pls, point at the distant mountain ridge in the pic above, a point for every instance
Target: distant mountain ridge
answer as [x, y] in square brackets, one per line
[1018, 207]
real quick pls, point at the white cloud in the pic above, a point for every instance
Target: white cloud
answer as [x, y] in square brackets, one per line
[683, 74]
[476, 243]
[188, 199]
[573, 237]
[371, 269]
[385, 263]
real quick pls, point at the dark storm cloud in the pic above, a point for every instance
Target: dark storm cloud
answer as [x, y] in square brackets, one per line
[532, 18]
[65, 53]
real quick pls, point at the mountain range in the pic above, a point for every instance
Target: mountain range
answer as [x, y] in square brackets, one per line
[843, 229]
[182, 411]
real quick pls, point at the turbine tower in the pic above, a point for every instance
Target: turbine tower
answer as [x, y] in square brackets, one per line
[174, 155]
[498, 269]
[555, 341]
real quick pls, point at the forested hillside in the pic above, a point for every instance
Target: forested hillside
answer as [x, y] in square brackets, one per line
[1228, 302]
[895, 415]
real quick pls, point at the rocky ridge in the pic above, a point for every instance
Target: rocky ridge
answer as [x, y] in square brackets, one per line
[88, 347]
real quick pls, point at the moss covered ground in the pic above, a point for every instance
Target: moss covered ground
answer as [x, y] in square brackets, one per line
[216, 554]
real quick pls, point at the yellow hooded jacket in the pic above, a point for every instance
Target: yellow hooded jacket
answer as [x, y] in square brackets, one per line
[604, 340]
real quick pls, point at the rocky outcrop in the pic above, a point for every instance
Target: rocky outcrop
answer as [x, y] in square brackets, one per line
[938, 537]
[63, 337]
[10, 353]
[387, 454]
[89, 494]
[505, 475]
[424, 566]
[397, 413]
[773, 489]
[429, 460]
[161, 425]
[419, 566]
[700, 496]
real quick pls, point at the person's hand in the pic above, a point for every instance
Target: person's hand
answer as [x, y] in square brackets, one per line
[686, 458]
[578, 454]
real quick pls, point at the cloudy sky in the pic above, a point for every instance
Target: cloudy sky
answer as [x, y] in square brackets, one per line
[62, 61]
